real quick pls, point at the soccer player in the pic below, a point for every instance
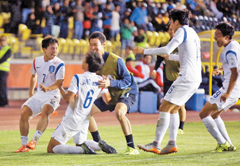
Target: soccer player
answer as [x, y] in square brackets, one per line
[187, 83]
[170, 74]
[48, 70]
[229, 93]
[121, 86]
[81, 94]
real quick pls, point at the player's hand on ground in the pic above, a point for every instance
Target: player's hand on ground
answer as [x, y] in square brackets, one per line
[43, 88]
[224, 97]
[166, 56]
[104, 83]
[216, 72]
[138, 50]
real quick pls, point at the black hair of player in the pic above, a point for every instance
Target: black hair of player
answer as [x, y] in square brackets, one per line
[98, 35]
[49, 40]
[94, 61]
[181, 15]
[226, 29]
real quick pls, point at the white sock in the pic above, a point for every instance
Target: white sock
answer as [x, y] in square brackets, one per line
[162, 126]
[67, 149]
[37, 135]
[93, 145]
[173, 126]
[213, 129]
[24, 140]
[222, 129]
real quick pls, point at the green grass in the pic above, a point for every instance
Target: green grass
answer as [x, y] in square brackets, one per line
[195, 148]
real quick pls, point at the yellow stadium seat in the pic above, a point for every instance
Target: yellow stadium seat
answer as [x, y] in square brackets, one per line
[26, 52]
[84, 47]
[70, 23]
[21, 28]
[26, 34]
[1, 21]
[63, 47]
[167, 36]
[77, 47]
[156, 36]
[161, 37]
[70, 44]
[118, 37]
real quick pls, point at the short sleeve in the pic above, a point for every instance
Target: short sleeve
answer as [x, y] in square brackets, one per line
[33, 69]
[74, 85]
[60, 73]
[231, 58]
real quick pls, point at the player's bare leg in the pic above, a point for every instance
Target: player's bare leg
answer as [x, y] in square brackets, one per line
[24, 128]
[120, 112]
[41, 126]
[182, 115]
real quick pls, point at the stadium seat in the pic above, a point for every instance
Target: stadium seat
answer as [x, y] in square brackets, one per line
[21, 28]
[83, 46]
[70, 45]
[156, 36]
[61, 42]
[77, 48]
[26, 34]
[150, 38]
[26, 52]
[1, 21]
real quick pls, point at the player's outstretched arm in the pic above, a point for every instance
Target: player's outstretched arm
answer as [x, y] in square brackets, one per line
[67, 96]
[33, 82]
[106, 97]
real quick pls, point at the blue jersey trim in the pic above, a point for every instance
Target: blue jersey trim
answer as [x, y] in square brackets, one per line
[62, 64]
[185, 34]
[230, 51]
[76, 76]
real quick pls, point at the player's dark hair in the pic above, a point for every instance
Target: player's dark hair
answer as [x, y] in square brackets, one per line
[98, 35]
[94, 61]
[181, 15]
[226, 29]
[49, 40]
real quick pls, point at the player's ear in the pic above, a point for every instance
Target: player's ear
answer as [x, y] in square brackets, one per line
[104, 44]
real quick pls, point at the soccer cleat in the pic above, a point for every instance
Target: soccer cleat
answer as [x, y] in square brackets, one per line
[31, 145]
[232, 148]
[180, 131]
[23, 148]
[222, 147]
[170, 148]
[106, 148]
[87, 149]
[150, 148]
[131, 151]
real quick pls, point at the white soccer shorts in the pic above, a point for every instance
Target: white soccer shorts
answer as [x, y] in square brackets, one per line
[63, 134]
[181, 91]
[233, 98]
[37, 102]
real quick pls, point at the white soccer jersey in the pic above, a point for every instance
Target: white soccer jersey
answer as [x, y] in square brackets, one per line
[48, 73]
[230, 57]
[188, 43]
[86, 87]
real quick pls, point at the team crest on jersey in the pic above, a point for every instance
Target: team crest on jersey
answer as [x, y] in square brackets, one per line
[51, 69]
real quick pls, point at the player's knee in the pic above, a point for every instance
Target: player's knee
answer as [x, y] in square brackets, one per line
[25, 115]
[50, 149]
[120, 115]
